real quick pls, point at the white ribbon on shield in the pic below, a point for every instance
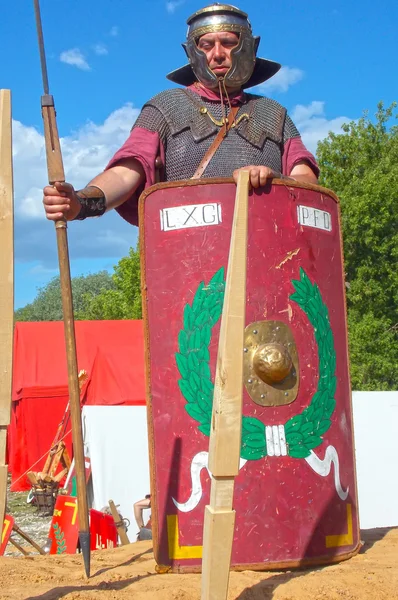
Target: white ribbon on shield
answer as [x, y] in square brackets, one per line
[200, 461]
[322, 467]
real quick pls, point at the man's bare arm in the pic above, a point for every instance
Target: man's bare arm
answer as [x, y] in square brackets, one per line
[138, 511]
[303, 172]
[117, 185]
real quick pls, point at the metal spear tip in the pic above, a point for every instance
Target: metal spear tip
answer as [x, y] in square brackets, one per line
[84, 539]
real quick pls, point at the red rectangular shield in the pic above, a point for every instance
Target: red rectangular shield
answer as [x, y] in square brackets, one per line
[8, 524]
[295, 495]
[64, 526]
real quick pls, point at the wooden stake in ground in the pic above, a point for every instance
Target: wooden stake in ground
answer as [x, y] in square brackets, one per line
[226, 424]
[28, 539]
[120, 526]
[6, 285]
[55, 171]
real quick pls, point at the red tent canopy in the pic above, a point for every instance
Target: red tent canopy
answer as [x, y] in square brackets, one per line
[112, 354]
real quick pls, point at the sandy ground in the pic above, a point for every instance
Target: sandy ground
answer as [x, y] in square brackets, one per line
[129, 572]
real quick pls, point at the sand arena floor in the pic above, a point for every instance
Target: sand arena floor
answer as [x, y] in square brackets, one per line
[129, 572]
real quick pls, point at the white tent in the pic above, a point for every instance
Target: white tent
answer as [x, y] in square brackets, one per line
[117, 440]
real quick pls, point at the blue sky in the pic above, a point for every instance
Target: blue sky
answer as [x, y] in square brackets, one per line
[106, 58]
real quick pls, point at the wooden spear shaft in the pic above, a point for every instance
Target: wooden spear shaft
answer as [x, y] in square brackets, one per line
[226, 423]
[55, 171]
[6, 286]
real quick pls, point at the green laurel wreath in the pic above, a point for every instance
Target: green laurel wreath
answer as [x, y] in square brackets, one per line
[303, 431]
[59, 539]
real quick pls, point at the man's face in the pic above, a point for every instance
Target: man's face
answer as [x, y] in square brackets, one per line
[217, 47]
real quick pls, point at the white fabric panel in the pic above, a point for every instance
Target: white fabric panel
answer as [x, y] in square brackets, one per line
[376, 432]
[118, 443]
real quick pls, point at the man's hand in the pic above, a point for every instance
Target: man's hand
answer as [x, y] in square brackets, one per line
[61, 202]
[258, 175]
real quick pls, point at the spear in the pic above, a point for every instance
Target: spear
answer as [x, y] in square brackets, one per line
[55, 170]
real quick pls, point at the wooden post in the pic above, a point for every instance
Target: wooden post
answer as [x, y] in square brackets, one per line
[28, 539]
[226, 424]
[6, 285]
[120, 526]
[19, 547]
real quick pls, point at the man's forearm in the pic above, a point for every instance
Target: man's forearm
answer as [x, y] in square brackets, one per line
[303, 172]
[110, 188]
[308, 178]
[138, 517]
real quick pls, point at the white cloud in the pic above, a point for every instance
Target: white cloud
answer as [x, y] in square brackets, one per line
[85, 154]
[40, 270]
[286, 77]
[313, 125]
[75, 58]
[172, 5]
[100, 49]
[114, 32]
[303, 113]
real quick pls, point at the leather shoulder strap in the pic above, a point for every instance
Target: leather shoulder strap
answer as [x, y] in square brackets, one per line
[217, 141]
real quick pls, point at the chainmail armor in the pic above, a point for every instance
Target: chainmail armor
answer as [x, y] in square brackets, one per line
[187, 134]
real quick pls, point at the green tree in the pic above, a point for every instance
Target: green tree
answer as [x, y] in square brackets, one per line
[361, 166]
[47, 306]
[123, 300]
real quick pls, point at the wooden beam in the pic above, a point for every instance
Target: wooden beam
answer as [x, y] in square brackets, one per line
[226, 424]
[120, 526]
[28, 539]
[18, 547]
[6, 284]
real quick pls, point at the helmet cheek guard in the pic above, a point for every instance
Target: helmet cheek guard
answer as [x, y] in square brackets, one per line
[246, 69]
[198, 62]
[243, 58]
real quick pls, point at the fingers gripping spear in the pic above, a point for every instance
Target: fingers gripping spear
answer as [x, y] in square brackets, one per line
[55, 171]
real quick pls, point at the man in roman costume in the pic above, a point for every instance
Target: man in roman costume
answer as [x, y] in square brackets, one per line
[174, 136]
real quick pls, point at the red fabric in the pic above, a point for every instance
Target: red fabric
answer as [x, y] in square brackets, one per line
[142, 145]
[34, 423]
[294, 152]
[112, 353]
[235, 99]
[111, 384]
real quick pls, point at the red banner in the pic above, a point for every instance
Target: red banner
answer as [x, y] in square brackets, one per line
[103, 530]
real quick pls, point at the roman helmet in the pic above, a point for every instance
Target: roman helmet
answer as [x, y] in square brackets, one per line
[246, 70]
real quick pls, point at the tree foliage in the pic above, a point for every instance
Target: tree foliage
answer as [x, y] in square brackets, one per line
[123, 299]
[361, 166]
[47, 306]
[95, 297]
